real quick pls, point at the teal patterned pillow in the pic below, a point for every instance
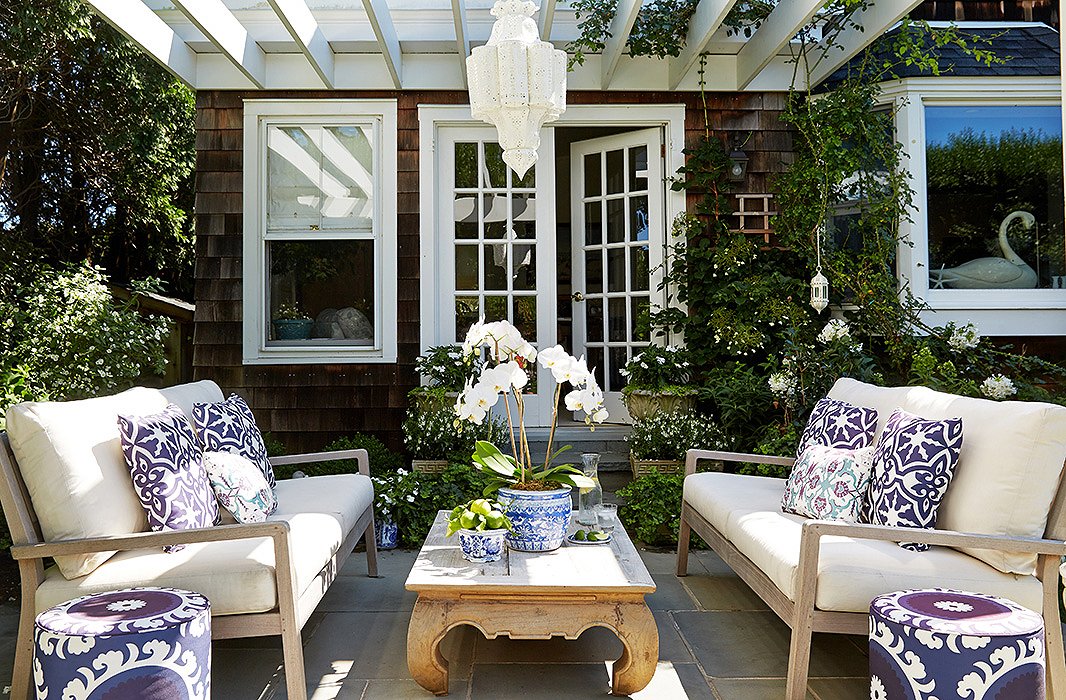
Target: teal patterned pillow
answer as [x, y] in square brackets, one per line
[240, 486]
[829, 483]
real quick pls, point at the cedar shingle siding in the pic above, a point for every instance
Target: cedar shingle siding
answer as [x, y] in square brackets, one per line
[306, 406]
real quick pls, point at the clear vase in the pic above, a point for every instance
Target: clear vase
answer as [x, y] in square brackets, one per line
[588, 500]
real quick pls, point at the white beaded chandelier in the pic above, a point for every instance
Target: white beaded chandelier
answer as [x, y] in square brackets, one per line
[517, 82]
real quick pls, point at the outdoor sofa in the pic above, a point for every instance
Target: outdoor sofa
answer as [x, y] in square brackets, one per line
[1000, 531]
[68, 495]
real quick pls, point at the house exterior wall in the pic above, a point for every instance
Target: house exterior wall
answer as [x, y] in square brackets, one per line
[308, 405]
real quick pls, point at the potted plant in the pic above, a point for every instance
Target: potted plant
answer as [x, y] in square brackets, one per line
[434, 438]
[661, 440]
[657, 380]
[481, 525]
[535, 494]
[446, 369]
[290, 323]
[386, 494]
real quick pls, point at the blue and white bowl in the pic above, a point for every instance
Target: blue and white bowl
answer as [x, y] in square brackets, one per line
[481, 546]
[539, 519]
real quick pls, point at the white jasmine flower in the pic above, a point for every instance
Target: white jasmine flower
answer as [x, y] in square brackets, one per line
[782, 383]
[836, 329]
[964, 338]
[998, 387]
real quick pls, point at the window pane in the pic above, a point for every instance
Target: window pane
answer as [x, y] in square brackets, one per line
[594, 320]
[616, 269]
[466, 165]
[495, 215]
[594, 359]
[640, 306]
[465, 209]
[495, 169]
[528, 180]
[496, 266]
[320, 177]
[495, 308]
[592, 175]
[593, 223]
[638, 168]
[638, 268]
[616, 320]
[466, 266]
[466, 314]
[524, 312]
[616, 220]
[619, 358]
[616, 175]
[638, 218]
[593, 272]
[524, 216]
[524, 271]
[328, 286]
[995, 204]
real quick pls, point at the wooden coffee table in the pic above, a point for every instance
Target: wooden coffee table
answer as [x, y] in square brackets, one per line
[532, 596]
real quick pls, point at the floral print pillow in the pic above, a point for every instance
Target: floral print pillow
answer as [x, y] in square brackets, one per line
[168, 472]
[229, 426]
[839, 424]
[240, 487]
[829, 483]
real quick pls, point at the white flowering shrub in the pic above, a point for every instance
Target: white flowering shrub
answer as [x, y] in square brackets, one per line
[963, 337]
[835, 329]
[659, 370]
[665, 435]
[998, 387]
[64, 336]
[437, 435]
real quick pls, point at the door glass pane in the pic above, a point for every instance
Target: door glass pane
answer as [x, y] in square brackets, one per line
[594, 360]
[616, 320]
[496, 266]
[639, 307]
[466, 276]
[616, 175]
[593, 223]
[496, 308]
[638, 218]
[593, 272]
[466, 216]
[495, 215]
[524, 313]
[618, 359]
[524, 216]
[529, 180]
[495, 174]
[638, 268]
[638, 168]
[592, 175]
[466, 314]
[594, 320]
[616, 220]
[616, 269]
[466, 165]
[524, 270]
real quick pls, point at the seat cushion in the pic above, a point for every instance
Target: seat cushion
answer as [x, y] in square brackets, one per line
[237, 576]
[851, 572]
[1009, 466]
[71, 459]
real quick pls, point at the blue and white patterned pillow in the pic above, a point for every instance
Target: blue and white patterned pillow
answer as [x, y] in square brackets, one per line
[829, 483]
[838, 424]
[913, 465]
[168, 472]
[240, 487]
[229, 426]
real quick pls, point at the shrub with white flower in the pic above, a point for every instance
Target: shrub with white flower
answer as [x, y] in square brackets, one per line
[437, 435]
[836, 329]
[665, 435]
[505, 374]
[782, 384]
[964, 337]
[998, 387]
[658, 369]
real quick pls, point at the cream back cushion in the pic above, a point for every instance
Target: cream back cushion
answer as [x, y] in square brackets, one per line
[1009, 467]
[71, 460]
[185, 395]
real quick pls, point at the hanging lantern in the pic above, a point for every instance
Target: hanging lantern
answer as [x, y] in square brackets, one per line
[819, 291]
[517, 82]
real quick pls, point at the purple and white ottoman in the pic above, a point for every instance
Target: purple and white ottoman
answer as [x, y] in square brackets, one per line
[938, 643]
[134, 643]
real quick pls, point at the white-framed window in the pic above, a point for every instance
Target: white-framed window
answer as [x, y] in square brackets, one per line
[319, 231]
[986, 242]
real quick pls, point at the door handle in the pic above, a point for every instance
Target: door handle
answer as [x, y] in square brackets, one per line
[577, 296]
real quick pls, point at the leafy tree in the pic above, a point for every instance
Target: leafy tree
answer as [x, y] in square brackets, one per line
[96, 147]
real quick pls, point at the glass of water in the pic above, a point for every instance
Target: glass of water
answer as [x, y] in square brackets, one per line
[606, 517]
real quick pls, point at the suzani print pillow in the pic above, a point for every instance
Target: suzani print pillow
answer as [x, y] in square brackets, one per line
[240, 487]
[229, 426]
[913, 465]
[168, 472]
[829, 483]
[835, 423]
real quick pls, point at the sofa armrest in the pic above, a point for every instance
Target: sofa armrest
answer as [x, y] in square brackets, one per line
[277, 530]
[692, 456]
[361, 458]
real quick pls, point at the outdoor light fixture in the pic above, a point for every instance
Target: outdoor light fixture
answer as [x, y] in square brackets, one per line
[819, 284]
[738, 165]
[517, 82]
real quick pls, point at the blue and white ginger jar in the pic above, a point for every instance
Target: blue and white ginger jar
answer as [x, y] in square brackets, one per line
[539, 519]
[386, 534]
[481, 546]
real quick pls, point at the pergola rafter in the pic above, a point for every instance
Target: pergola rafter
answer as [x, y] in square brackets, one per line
[303, 27]
[377, 11]
[225, 31]
[462, 35]
[546, 18]
[705, 22]
[143, 27]
[779, 27]
[621, 26]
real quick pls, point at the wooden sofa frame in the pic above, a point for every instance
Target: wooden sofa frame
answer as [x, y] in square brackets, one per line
[804, 618]
[29, 549]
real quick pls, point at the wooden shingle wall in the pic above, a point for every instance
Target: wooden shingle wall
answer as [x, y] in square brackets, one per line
[306, 406]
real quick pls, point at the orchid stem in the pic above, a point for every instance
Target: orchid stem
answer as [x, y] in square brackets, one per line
[555, 422]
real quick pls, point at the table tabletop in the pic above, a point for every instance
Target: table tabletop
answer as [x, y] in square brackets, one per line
[614, 567]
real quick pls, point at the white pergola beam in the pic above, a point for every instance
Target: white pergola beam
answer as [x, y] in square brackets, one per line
[225, 31]
[625, 17]
[155, 37]
[705, 22]
[377, 11]
[779, 27]
[875, 20]
[462, 36]
[303, 27]
[546, 18]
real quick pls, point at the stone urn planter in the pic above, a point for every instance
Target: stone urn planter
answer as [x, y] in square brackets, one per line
[642, 404]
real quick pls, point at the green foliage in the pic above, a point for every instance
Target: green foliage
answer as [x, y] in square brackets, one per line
[447, 367]
[659, 30]
[274, 446]
[775, 441]
[64, 336]
[665, 435]
[437, 435]
[651, 511]
[382, 459]
[657, 368]
[412, 499]
[741, 400]
[502, 470]
[478, 514]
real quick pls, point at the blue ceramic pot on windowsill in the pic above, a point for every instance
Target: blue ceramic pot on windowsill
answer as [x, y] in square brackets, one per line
[293, 328]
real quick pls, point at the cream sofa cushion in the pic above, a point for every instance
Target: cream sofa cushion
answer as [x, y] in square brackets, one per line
[237, 576]
[1009, 466]
[883, 399]
[185, 395]
[71, 460]
[851, 572]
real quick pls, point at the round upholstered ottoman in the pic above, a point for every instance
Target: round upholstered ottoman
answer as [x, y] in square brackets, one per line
[939, 644]
[134, 643]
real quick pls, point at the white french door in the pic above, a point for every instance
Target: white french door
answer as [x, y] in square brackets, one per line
[496, 247]
[617, 195]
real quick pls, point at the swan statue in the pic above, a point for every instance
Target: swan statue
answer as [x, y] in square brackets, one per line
[1008, 272]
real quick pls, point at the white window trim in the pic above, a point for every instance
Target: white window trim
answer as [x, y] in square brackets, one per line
[257, 114]
[1000, 312]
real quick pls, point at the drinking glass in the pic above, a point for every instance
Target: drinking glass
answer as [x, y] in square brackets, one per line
[606, 517]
